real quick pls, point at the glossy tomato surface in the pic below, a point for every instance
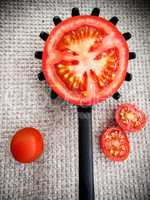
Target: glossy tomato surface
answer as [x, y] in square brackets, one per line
[114, 144]
[27, 145]
[85, 59]
[130, 118]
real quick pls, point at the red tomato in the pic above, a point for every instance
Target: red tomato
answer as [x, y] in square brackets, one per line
[130, 118]
[85, 59]
[114, 144]
[27, 145]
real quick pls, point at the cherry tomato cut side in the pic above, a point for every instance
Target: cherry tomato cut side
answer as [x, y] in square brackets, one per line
[85, 59]
[114, 144]
[27, 145]
[130, 118]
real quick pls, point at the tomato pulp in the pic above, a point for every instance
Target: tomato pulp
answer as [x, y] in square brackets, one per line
[130, 118]
[114, 144]
[85, 59]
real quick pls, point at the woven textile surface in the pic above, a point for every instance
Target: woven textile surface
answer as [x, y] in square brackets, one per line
[25, 101]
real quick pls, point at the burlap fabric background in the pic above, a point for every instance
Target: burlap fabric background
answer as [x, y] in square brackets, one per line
[24, 101]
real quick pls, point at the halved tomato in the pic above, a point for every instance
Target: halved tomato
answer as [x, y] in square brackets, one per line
[114, 144]
[130, 118]
[85, 59]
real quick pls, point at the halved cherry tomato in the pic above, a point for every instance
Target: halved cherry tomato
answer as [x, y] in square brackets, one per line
[85, 59]
[130, 118]
[114, 144]
[27, 145]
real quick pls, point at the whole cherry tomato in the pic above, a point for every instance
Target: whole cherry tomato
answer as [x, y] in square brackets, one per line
[27, 145]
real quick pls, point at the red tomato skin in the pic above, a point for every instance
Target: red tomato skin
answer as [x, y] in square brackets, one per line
[104, 150]
[55, 86]
[27, 145]
[124, 127]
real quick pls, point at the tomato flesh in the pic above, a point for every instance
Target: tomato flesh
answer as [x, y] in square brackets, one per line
[114, 144]
[85, 59]
[27, 145]
[130, 118]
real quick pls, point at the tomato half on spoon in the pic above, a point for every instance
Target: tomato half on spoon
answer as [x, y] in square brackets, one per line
[130, 118]
[85, 59]
[114, 144]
